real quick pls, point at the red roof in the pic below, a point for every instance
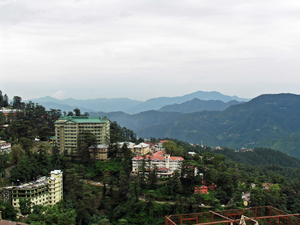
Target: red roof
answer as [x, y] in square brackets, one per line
[159, 155]
[163, 169]
[163, 141]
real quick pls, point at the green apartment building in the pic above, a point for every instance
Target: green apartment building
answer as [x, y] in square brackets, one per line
[68, 128]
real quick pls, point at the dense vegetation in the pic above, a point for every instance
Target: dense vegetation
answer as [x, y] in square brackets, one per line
[197, 105]
[127, 199]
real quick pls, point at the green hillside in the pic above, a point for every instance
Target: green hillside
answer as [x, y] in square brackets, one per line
[266, 121]
[197, 105]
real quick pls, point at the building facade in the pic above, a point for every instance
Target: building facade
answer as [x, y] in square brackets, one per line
[100, 152]
[44, 191]
[68, 129]
[141, 149]
[166, 164]
[5, 147]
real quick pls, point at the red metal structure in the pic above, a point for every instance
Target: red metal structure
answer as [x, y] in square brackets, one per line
[249, 216]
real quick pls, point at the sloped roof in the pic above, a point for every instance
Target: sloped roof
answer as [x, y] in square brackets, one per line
[159, 155]
[141, 145]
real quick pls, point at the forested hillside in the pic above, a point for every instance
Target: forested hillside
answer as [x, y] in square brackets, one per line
[266, 121]
[260, 156]
[197, 105]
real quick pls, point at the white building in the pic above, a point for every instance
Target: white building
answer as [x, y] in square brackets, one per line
[141, 149]
[5, 147]
[129, 145]
[165, 163]
[44, 191]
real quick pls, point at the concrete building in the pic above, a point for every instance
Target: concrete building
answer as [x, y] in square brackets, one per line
[5, 147]
[165, 163]
[68, 129]
[130, 145]
[100, 152]
[141, 149]
[44, 191]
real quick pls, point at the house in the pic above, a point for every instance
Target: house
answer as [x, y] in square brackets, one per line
[192, 153]
[266, 186]
[243, 150]
[11, 112]
[203, 189]
[5, 147]
[130, 145]
[99, 153]
[165, 163]
[141, 149]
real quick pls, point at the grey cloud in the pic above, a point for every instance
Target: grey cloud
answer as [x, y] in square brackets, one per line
[192, 45]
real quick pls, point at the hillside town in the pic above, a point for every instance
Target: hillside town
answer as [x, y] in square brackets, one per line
[72, 168]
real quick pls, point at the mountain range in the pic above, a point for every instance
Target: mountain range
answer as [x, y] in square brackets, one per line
[270, 120]
[196, 105]
[128, 105]
[266, 121]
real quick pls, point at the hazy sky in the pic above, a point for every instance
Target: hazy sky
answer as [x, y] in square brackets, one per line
[148, 48]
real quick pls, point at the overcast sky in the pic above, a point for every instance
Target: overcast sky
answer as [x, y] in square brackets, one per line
[148, 48]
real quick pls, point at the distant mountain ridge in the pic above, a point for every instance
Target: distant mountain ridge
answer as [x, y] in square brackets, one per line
[88, 105]
[127, 105]
[157, 103]
[270, 121]
[197, 105]
[266, 121]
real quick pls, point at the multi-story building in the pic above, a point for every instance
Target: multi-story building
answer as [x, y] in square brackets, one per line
[44, 191]
[68, 129]
[100, 152]
[165, 163]
[141, 149]
[5, 147]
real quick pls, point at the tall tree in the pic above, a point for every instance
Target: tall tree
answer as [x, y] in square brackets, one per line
[5, 101]
[86, 140]
[16, 153]
[26, 145]
[70, 113]
[77, 112]
[1, 98]
[17, 102]
[25, 206]
[8, 211]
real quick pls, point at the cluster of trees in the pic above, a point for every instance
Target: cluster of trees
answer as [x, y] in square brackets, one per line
[3, 100]
[260, 156]
[81, 201]
[132, 200]
[76, 112]
[32, 121]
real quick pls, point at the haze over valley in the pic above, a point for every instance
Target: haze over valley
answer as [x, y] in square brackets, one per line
[215, 119]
